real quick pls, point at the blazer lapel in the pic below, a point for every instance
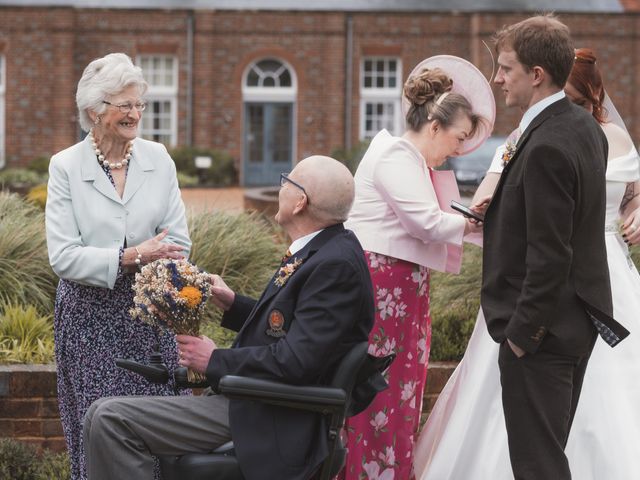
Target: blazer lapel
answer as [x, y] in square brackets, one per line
[139, 169]
[92, 172]
[551, 111]
[272, 289]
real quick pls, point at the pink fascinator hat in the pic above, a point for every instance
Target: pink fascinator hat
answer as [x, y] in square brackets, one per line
[472, 84]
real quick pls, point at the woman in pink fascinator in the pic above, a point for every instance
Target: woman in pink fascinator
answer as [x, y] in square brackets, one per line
[402, 218]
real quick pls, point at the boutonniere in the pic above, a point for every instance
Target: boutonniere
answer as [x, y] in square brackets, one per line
[286, 271]
[509, 152]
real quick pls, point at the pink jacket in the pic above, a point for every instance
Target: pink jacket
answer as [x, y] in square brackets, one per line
[397, 211]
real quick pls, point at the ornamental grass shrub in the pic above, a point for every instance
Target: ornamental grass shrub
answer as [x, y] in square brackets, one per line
[244, 249]
[351, 157]
[21, 179]
[40, 165]
[54, 466]
[221, 173]
[25, 335]
[22, 461]
[455, 300]
[17, 460]
[38, 195]
[186, 181]
[635, 255]
[26, 277]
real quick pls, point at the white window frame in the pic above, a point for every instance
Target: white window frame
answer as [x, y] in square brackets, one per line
[269, 94]
[385, 94]
[3, 84]
[162, 93]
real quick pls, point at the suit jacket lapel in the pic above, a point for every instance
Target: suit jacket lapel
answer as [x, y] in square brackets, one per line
[272, 289]
[92, 172]
[139, 169]
[137, 174]
[551, 111]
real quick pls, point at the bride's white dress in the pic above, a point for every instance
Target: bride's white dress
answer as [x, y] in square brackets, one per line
[465, 436]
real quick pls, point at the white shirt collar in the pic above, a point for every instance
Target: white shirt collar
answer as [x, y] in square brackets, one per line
[538, 107]
[301, 242]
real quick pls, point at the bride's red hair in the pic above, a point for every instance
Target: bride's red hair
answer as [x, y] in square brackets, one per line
[586, 78]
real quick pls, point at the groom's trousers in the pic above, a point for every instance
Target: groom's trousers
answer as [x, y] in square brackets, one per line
[540, 395]
[122, 433]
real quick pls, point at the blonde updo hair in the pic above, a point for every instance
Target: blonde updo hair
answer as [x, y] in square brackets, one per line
[430, 98]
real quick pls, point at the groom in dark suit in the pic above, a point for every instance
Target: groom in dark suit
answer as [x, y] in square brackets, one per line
[317, 306]
[545, 288]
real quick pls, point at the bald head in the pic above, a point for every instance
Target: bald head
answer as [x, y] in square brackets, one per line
[329, 185]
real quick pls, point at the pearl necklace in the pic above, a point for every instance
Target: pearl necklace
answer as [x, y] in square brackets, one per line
[103, 161]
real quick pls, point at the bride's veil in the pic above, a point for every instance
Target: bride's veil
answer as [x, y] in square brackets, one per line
[613, 116]
[612, 112]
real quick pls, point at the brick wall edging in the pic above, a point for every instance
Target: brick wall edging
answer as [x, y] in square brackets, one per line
[29, 402]
[29, 405]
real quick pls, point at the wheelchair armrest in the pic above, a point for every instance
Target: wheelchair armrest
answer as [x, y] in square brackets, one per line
[181, 377]
[155, 373]
[325, 400]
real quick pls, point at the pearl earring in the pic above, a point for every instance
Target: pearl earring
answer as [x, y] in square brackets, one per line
[97, 120]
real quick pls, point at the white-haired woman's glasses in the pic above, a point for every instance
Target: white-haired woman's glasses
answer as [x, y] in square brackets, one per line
[127, 107]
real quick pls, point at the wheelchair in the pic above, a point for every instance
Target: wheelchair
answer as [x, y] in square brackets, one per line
[352, 387]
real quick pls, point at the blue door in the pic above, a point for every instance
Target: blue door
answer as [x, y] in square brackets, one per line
[268, 143]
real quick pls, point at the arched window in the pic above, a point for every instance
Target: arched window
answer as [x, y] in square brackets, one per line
[269, 79]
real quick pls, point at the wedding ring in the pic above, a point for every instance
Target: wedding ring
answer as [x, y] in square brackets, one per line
[632, 228]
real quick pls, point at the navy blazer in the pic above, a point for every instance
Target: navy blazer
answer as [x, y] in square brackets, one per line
[545, 272]
[323, 309]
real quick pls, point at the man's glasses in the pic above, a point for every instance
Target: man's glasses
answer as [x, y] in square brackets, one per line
[127, 107]
[284, 178]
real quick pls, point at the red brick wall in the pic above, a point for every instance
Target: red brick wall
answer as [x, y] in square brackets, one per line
[29, 405]
[47, 49]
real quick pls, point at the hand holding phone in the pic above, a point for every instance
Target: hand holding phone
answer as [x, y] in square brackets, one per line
[466, 211]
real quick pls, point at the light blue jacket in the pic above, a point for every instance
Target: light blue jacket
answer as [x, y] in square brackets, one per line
[87, 221]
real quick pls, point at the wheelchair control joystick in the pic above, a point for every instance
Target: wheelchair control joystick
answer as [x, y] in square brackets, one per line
[156, 371]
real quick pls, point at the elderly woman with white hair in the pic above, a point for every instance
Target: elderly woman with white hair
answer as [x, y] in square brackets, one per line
[113, 205]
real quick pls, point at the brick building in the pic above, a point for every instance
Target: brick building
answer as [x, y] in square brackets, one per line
[269, 81]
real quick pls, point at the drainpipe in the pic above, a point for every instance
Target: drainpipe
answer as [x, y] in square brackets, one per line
[474, 40]
[189, 105]
[348, 87]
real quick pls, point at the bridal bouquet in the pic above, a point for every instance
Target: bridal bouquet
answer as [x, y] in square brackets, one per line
[171, 294]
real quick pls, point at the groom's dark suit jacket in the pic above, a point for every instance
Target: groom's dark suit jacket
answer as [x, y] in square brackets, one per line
[327, 305]
[545, 268]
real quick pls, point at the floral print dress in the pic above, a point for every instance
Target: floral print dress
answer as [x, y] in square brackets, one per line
[380, 440]
[92, 328]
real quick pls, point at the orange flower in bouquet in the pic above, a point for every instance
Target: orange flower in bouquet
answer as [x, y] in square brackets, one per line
[171, 295]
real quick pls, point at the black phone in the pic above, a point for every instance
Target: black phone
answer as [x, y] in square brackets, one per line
[467, 212]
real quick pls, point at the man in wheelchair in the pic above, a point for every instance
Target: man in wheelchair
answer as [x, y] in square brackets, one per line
[315, 309]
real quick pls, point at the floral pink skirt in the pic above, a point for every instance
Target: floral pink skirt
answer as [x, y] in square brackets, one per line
[380, 440]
